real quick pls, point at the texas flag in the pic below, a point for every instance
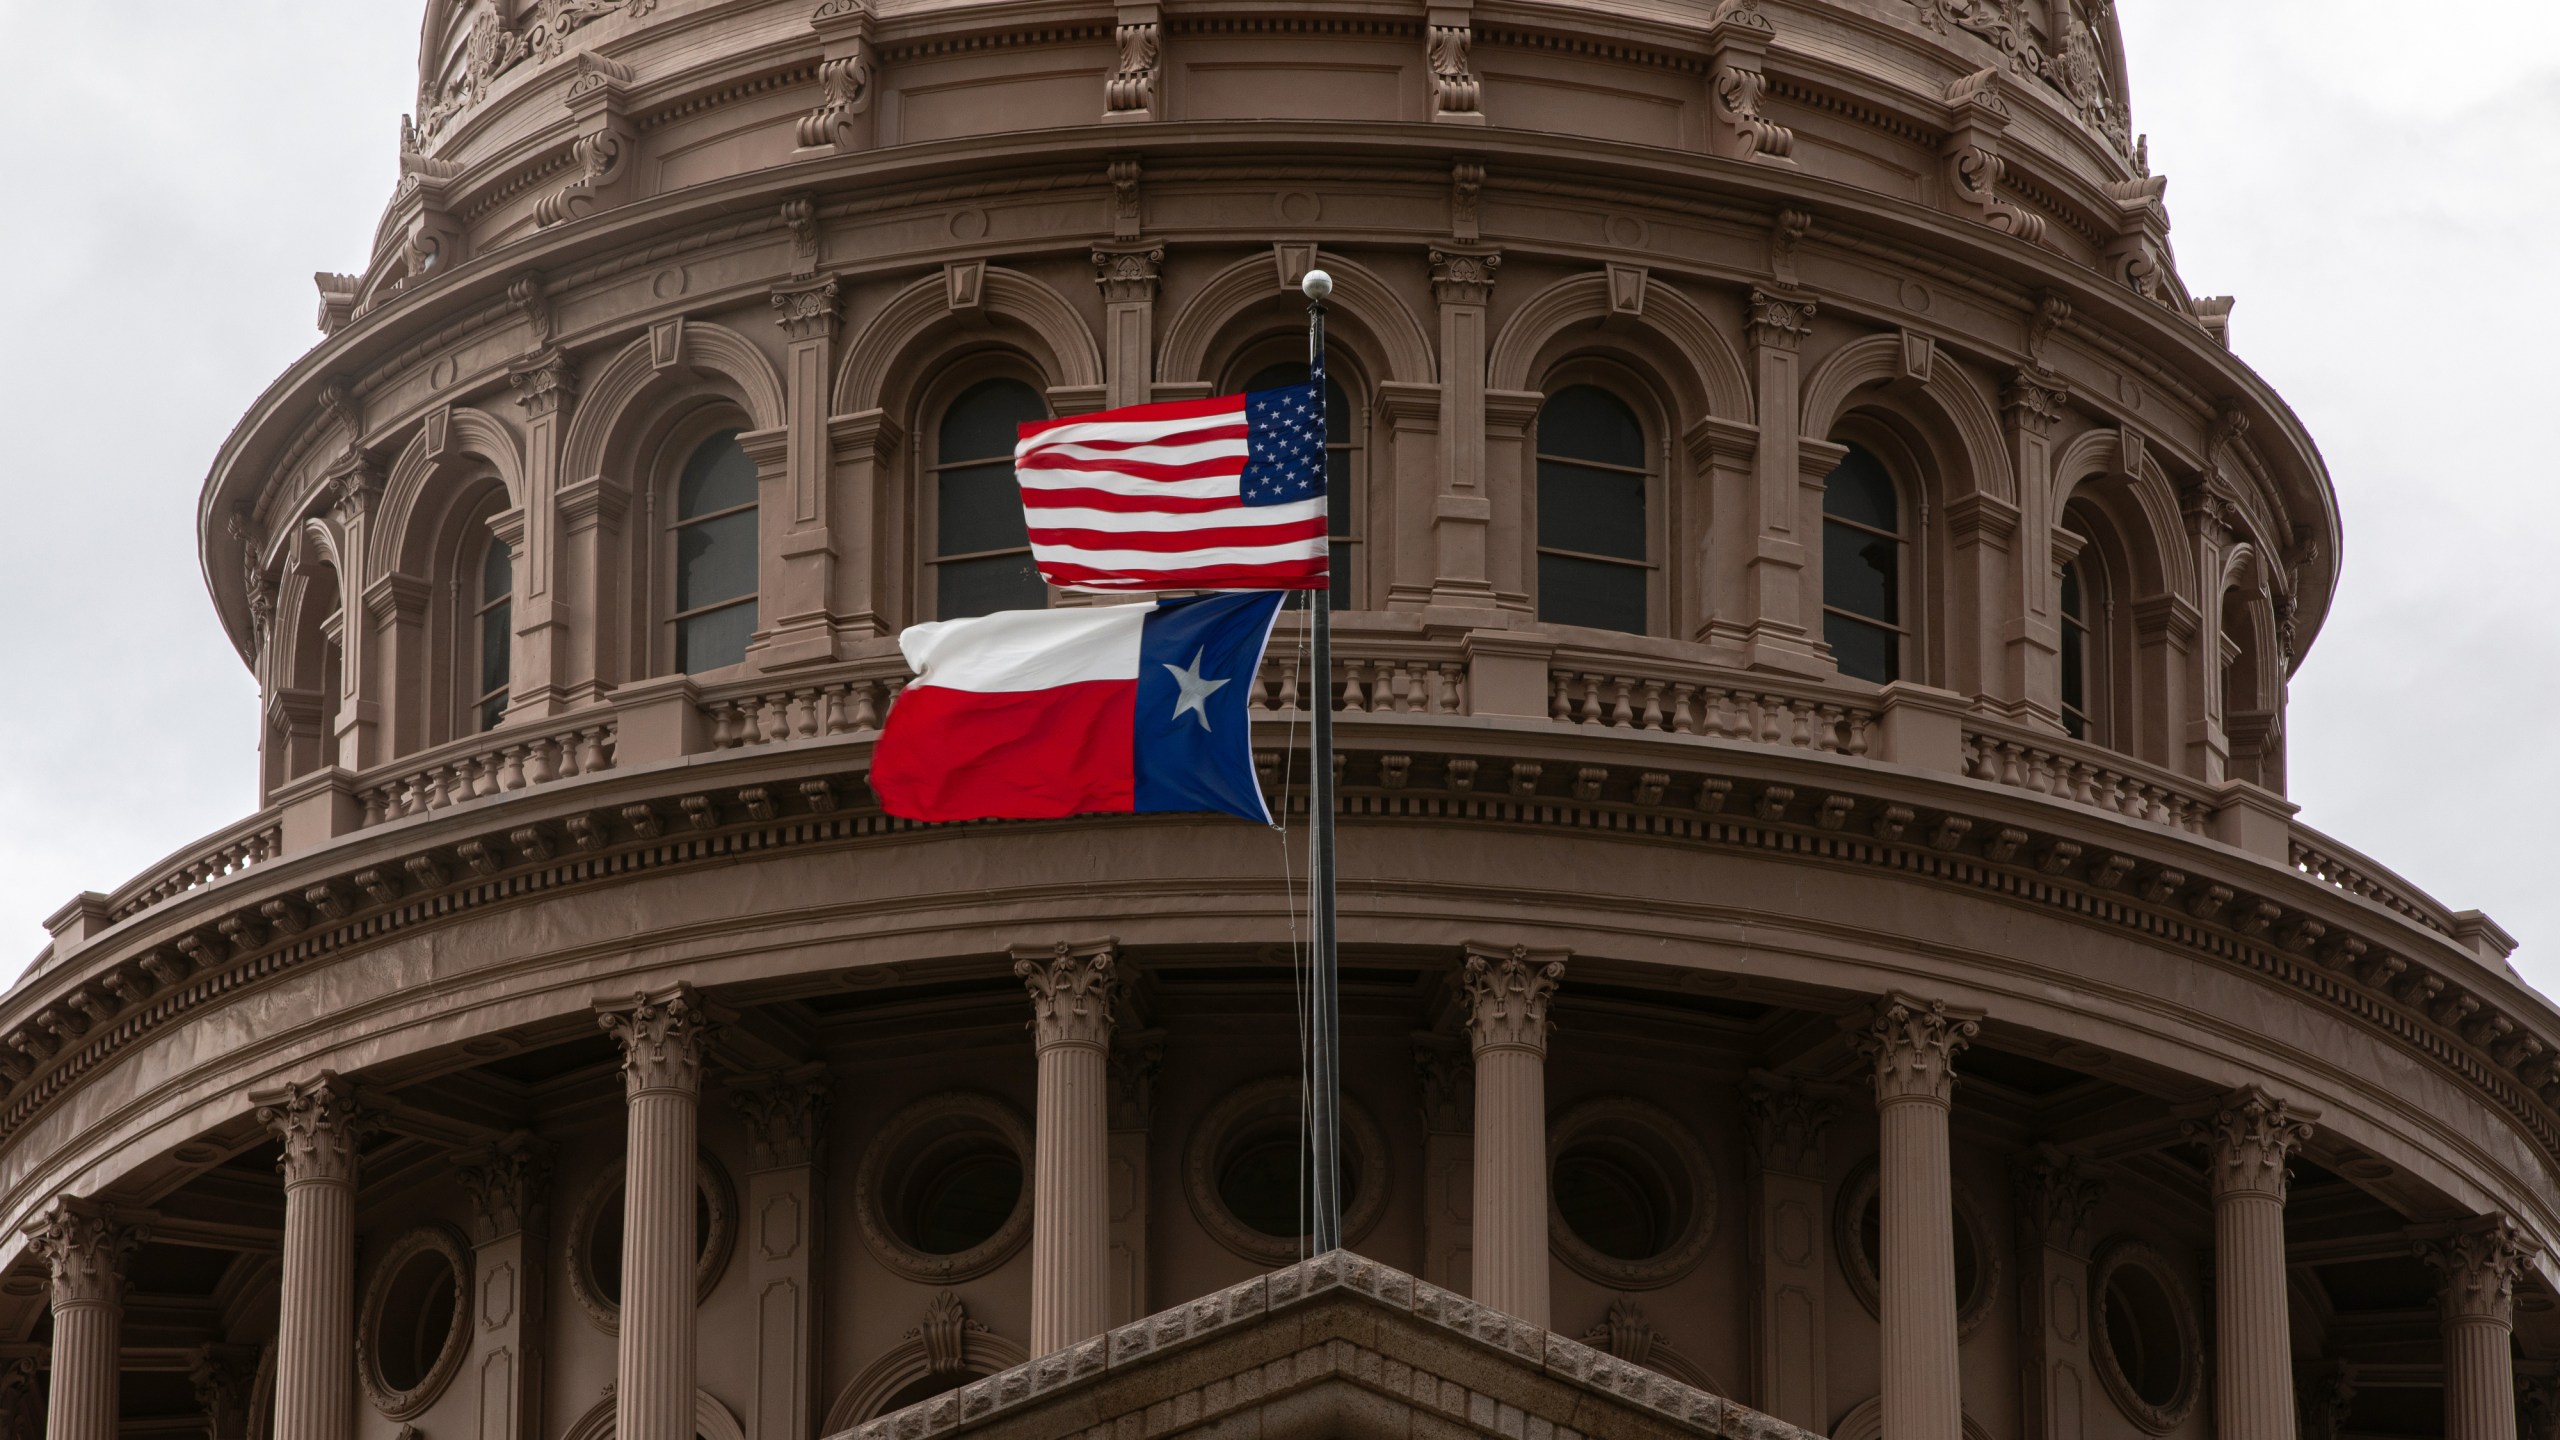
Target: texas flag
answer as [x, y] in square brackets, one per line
[1038, 714]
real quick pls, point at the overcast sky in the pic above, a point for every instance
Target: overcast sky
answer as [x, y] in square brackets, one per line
[2387, 213]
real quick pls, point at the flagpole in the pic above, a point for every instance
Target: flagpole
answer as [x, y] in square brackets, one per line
[1324, 1108]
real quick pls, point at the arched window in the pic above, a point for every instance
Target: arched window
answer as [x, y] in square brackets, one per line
[1341, 470]
[1862, 568]
[715, 556]
[1594, 540]
[2084, 665]
[493, 628]
[981, 551]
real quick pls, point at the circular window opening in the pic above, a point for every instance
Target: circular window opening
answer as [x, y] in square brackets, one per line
[595, 1240]
[2150, 1348]
[943, 1193]
[1249, 1175]
[1632, 1201]
[1859, 1234]
[412, 1332]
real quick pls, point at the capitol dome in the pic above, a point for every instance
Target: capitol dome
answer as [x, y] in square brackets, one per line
[1825, 945]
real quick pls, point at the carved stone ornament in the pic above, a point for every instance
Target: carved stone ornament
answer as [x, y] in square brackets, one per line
[662, 1039]
[1448, 1075]
[1507, 998]
[808, 309]
[1779, 318]
[2480, 1264]
[1072, 993]
[1788, 1122]
[319, 1123]
[603, 158]
[507, 1180]
[1131, 90]
[2251, 1140]
[1127, 206]
[222, 1377]
[1914, 1043]
[1454, 93]
[1466, 196]
[494, 47]
[1136, 1061]
[2034, 398]
[1462, 276]
[1738, 88]
[785, 1113]
[545, 382]
[83, 1243]
[1127, 273]
[2057, 1192]
[846, 81]
[2324, 1391]
[944, 1333]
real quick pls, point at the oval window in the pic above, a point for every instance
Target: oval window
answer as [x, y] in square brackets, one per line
[1631, 1200]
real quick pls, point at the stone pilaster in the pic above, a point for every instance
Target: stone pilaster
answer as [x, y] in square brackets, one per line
[222, 1377]
[1788, 1123]
[1127, 275]
[1913, 1044]
[2251, 1137]
[2026, 672]
[319, 1124]
[545, 382]
[785, 1114]
[2480, 1263]
[1781, 614]
[1136, 1059]
[2056, 1192]
[663, 1039]
[1507, 995]
[1462, 514]
[84, 1244]
[1073, 989]
[1448, 1076]
[508, 1182]
[796, 621]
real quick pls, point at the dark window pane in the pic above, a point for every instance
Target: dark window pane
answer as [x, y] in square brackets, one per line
[1859, 489]
[492, 710]
[1340, 567]
[497, 572]
[2075, 657]
[1586, 422]
[1598, 593]
[1861, 573]
[2071, 593]
[1866, 651]
[715, 638]
[715, 561]
[981, 509]
[1607, 1207]
[980, 424]
[495, 625]
[980, 587]
[967, 1201]
[718, 477]
[1599, 512]
[1337, 492]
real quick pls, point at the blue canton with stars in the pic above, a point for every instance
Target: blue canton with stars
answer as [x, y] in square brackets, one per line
[1284, 449]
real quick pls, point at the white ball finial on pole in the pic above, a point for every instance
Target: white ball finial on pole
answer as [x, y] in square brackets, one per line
[1317, 285]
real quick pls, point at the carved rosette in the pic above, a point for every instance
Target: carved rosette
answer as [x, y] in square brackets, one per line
[1779, 318]
[784, 1113]
[1914, 1044]
[808, 309]
[2056, 1194]
[507, 1181]
[1072, 993]
[2251, 1138]
[1507, 999]
[1463, 276]
[84, 1244]
[662, 1039]
[319, 1124]
[2480, 1264]
[1788, 1123]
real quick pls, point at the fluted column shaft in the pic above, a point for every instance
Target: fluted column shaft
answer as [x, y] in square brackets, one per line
[662, 1038]
[1913, 1043]
[1507, 997]
[2251, 1139]
[318, 1123]
[85, 1243]
[1072, 992]
[2480, 1264]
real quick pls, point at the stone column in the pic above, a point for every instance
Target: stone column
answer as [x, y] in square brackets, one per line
[1073, 988]
[1914, 1043]
[2056, 1192]
[662, 1038]
[1788, 1228]
[316, 1325]
[785, 1113]
[2480, 1263]
[507, 1181]
[84, 1243]
[1507, 993]
[2251, 1137]
[1135, 1062]
[1448, 1075]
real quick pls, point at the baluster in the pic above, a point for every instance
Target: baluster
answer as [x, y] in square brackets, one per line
[804, 714]
[1861, 731]
[896, 685]
[1653, 718]
[772, 723]
[372, 802]
[1775, 711]
[1594, 706]
[484, 775]
[606, 737]
[511, 768]
[1622, 702]
[862, 705]
[1682, 718]
[1560, 705]
[1826, 728]
[1288, 698]
[2012, 758]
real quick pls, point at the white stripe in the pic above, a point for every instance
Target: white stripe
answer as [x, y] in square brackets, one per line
[1077, 430]
[1072, 518]
[1157, 454]
[1181, 559]
[1026, 649]
[1214, 487]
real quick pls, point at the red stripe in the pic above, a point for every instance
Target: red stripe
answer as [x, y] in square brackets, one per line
[1170, 435]
[1223, 467]
[1160, 410]
[1036, 500]
[1294, 575]
[1024, 755]
[1174, 542]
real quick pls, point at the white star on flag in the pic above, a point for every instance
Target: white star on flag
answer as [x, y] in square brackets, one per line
[1196, 690]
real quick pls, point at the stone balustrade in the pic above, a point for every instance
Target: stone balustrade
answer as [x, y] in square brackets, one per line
[485, 765]
[2085, 775]
[227, 852]
[2332, 863]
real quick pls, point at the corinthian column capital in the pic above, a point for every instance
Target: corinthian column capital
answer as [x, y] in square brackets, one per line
[784, 1111]
[319, 1123]
[2252, 1137]
[84, 1243]
[663, 1037]
[1507, 994]
[2480, 1263]
[507, 1180]
[1914, 1043]
[1073, 989]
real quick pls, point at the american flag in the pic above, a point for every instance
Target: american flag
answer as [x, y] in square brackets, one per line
[1218, 494]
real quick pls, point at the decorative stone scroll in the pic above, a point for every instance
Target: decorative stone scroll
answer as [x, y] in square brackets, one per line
[83, 1243]
[1914, 1043]
[2481, 1263]
[1507, 997]
[319, 1123]
[662, 1039]
[1072, 993]
[2252, 1137]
